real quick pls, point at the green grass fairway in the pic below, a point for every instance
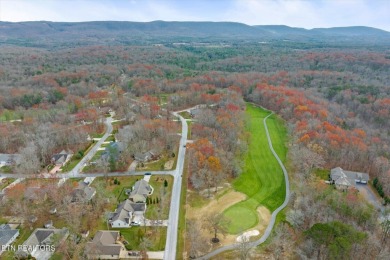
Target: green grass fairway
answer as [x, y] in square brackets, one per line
[262, 179]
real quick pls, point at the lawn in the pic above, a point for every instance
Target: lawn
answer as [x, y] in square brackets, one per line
[5, 182]
[186, 115]
[189, 123]
[181, 236]
[262, 179]
[157, 182]
[323, 174]
[6, 169]
[118, 191]
[110, 138]
[134, 235]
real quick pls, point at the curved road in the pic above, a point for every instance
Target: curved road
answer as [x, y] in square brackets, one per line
[271, 224]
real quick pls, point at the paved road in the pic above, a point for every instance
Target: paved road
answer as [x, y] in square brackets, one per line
[77, 169]
[274, 214]
[173, 220]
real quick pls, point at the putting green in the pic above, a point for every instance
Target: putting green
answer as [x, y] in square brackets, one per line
[262, 179]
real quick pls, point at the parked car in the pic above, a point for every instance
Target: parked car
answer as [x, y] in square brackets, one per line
[135, 223]
[148, 173]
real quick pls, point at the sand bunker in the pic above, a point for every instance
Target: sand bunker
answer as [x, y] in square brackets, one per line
[247, 235]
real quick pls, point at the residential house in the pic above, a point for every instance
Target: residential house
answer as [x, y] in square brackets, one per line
[143, 157]
[83, 193]
[147, 156]
[339, 179]
[9, 159]
[113, 150]
[141, 190]
[7, 236]
[344, 180]
[121, 218]
[60, 159]
[42, 237]
[123, 214]
[104, 246]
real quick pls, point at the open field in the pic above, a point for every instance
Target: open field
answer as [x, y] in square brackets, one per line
[262, 179]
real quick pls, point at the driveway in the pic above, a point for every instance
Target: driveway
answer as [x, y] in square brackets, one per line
[366, 191]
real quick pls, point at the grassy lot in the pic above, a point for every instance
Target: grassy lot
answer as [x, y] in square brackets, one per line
[189, 123]
[262, 179]
[6, 169]
[134, 235]
[157, 182]
[97, 135]
[4, 183]
[118, 191]
[97, 155]
[323, 174]
[195, 200]
[185, 114]
[110, 138]
[181, 237]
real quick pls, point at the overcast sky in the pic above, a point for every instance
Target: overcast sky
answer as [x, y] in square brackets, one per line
[297, 13]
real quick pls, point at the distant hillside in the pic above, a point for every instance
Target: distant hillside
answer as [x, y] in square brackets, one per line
[87, 33]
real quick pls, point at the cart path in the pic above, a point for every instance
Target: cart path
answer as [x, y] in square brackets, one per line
[271, 224]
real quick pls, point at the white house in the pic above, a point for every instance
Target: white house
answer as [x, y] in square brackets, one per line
[121, 218]
[123, 215]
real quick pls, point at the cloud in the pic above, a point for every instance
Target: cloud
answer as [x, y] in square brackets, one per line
[311, 14]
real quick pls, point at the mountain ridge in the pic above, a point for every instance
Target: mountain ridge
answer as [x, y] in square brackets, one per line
[109, 32]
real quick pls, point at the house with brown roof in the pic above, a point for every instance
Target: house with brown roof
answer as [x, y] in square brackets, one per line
[105, 245]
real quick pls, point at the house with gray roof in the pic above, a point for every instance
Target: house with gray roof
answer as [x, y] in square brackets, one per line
[141, 190]
[7, 236]
[122, 216]
[104, 246]
[152, 154]
[61, 158]
[83, 193]
[344, 180]
[113, 150]
[43, 237]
